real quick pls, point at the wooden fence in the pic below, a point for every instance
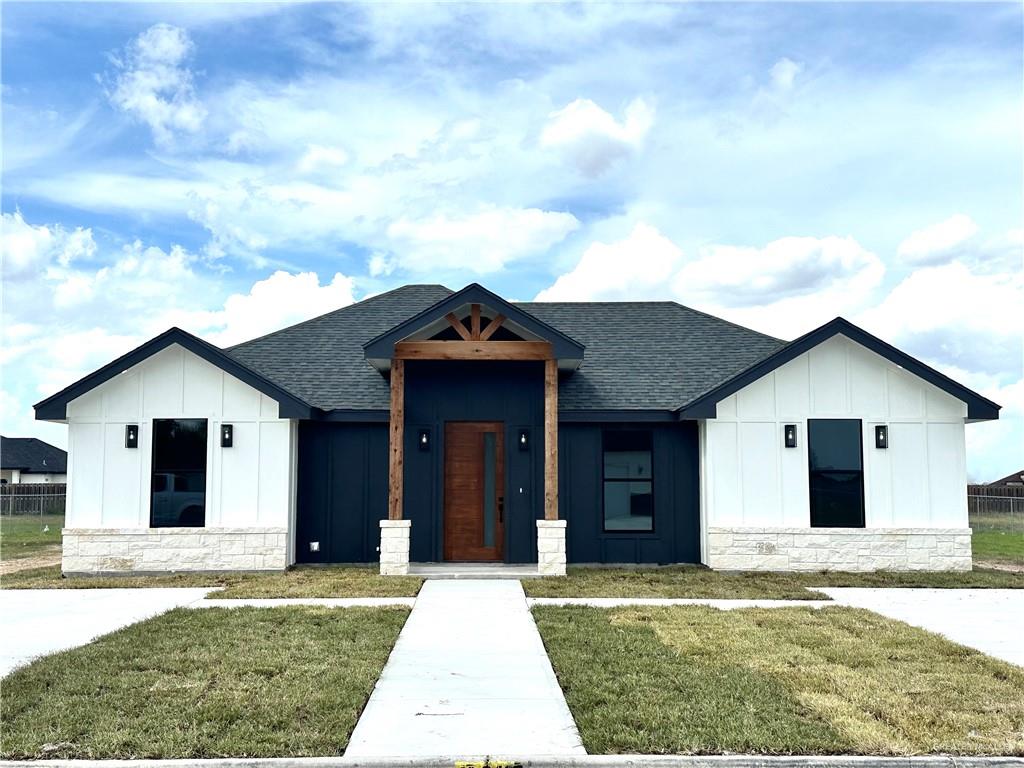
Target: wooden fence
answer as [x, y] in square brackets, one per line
[33, 498]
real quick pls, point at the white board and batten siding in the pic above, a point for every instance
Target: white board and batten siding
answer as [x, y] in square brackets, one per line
[751, 480]
[249, 485]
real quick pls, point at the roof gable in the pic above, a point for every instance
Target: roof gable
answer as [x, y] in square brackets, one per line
[54, 408]
[978, 408]
[380, 349]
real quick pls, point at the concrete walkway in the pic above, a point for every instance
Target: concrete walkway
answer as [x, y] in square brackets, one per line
[322, 602]
[724, 605]
[468, 676]
[988, 620]
[36, 622]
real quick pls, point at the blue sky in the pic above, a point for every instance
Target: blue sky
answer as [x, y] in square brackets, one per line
[235, 168]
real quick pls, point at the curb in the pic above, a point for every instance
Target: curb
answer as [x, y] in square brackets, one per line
[546, 761]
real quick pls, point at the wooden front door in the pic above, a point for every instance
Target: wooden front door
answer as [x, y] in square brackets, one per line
[474, 490]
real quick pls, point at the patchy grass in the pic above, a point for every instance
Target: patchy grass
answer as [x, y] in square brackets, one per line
[298, 582]
[697, 581]
[998, 537]
[998, 546]
[779, 681]
[28, 535]
[241, 682]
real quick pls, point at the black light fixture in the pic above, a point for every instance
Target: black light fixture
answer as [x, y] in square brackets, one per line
[523, 440]
[423, 439]
[227, 435]
[881, 436]
[789, 435]
[131, 436]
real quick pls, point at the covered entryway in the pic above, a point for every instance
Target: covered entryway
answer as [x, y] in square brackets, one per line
[469, 377]
[474, 491]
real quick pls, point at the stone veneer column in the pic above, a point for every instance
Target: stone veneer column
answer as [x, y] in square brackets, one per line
[394, 547]
[551, 547]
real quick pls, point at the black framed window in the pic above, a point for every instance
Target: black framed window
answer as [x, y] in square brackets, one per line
[628, 481]
[178, 490]
[836, 473]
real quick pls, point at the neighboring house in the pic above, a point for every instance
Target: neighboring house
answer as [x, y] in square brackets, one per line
[428, 425]
[28, 460]
[1016, 480]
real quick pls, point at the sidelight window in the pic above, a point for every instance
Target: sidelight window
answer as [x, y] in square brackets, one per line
[836, 473]
[179, 473]
[628, 481]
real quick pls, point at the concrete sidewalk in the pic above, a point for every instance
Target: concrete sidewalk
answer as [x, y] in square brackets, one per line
[37, 622]
[988, 620]
[468, 676]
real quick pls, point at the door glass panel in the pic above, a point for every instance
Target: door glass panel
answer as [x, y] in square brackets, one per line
[490, 511]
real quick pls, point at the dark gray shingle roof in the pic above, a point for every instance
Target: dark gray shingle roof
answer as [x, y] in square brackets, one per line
[639, 355]
[30, 454]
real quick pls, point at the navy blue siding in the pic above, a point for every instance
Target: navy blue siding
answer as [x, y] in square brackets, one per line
[342, 491]
[439, 392]
[676, 535]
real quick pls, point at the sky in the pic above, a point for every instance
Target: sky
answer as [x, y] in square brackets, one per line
[234, 168]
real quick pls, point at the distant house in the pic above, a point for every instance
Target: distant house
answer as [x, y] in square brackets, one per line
[30, 460]
[1014, 479]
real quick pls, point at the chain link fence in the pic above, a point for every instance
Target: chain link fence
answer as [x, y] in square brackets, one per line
[41, 499]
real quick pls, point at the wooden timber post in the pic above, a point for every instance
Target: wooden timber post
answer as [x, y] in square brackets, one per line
[396, 450]
[550, 439]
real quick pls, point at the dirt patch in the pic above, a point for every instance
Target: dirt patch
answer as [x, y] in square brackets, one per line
[1000, 565]
[38, 560]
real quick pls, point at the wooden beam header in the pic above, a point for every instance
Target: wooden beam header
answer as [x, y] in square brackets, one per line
[473, 350]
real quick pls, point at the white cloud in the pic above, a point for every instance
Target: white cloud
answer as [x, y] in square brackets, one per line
[26, 248]
[153, 84]
[592, 138]
[956, 316]
[481, 242]
[939, 242]
[320, 159]
[785, 288]
[276, 302]
[784, 268]
[783, 73]
[637, 266]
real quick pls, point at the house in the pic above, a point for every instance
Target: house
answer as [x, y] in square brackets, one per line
[427, 425]
[30, 460]
[1016, 479]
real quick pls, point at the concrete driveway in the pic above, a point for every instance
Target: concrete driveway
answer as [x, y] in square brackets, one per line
[36, 622]
[988, 620]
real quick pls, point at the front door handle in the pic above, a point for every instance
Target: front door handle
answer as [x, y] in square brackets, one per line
[501, 509]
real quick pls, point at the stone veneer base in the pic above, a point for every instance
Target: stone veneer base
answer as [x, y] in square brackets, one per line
[839, 549]
[551, 547]
[394, 547]
[162, 550]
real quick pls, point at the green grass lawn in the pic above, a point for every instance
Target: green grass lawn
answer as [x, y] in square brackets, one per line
[696, 581]
[26, 535]
[331, 581]
[242, 682]
[998, 538]
[778, 681]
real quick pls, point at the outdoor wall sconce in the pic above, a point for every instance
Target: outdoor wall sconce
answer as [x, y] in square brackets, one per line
[131, 436]
[227, 435]
[789, 432]
[523, 440]
[423, 439]
[314, 546]
[881, 436]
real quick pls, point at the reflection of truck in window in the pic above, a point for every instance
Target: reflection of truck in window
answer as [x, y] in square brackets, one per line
[179, 498]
